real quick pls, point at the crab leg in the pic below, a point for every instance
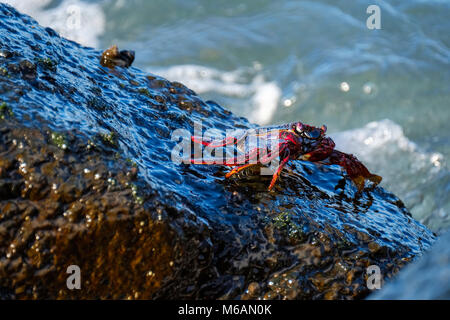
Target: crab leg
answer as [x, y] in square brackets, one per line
[203, 161]
[215, 144]
[277, 173]
[246, 157]
[227, 141]
[267, 158]
[239, 169]
[235, 161]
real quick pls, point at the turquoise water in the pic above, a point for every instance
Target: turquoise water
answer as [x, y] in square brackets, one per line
[384, 94]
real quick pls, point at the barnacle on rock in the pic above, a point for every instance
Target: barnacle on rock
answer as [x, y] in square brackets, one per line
[112, 57]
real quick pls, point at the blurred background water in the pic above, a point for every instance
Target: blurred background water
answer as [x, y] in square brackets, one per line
[384, 94]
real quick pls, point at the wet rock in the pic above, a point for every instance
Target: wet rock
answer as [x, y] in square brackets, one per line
[28, 69]
[76, 206]
[428, 278]
[86, 179]
[5, 54]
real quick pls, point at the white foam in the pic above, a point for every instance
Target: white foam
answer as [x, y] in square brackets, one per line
[265, 102]
[373, 136]
[381, 141]
[74, 19]
[244, 83]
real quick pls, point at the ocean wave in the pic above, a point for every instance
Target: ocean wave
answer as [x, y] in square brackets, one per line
[245, 83]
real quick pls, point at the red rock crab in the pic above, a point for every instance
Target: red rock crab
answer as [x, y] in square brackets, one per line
[294, 141]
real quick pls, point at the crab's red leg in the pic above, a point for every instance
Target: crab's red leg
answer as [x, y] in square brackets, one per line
[277, 173]
[267, 158]
[214, 144]
[235, 161]
[225, 142]
[252, 155]
[264, 159]
[203, 161]
[240, 160]
[239, 169]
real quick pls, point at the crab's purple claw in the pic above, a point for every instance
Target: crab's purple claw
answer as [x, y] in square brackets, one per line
[354, 168]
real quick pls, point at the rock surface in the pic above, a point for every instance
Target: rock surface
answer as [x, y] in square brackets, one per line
[86, 179]
[428, 278]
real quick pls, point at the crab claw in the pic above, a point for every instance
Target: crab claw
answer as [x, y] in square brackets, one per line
[360, 180]
[354, 168]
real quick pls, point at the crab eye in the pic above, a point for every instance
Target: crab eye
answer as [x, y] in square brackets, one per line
[313, 134]
[324, 129]
[299, 128]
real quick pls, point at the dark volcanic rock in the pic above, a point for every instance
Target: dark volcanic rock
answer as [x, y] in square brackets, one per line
[68, 200]
[71, 134]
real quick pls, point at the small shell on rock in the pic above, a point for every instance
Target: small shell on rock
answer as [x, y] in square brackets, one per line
[112, 57]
